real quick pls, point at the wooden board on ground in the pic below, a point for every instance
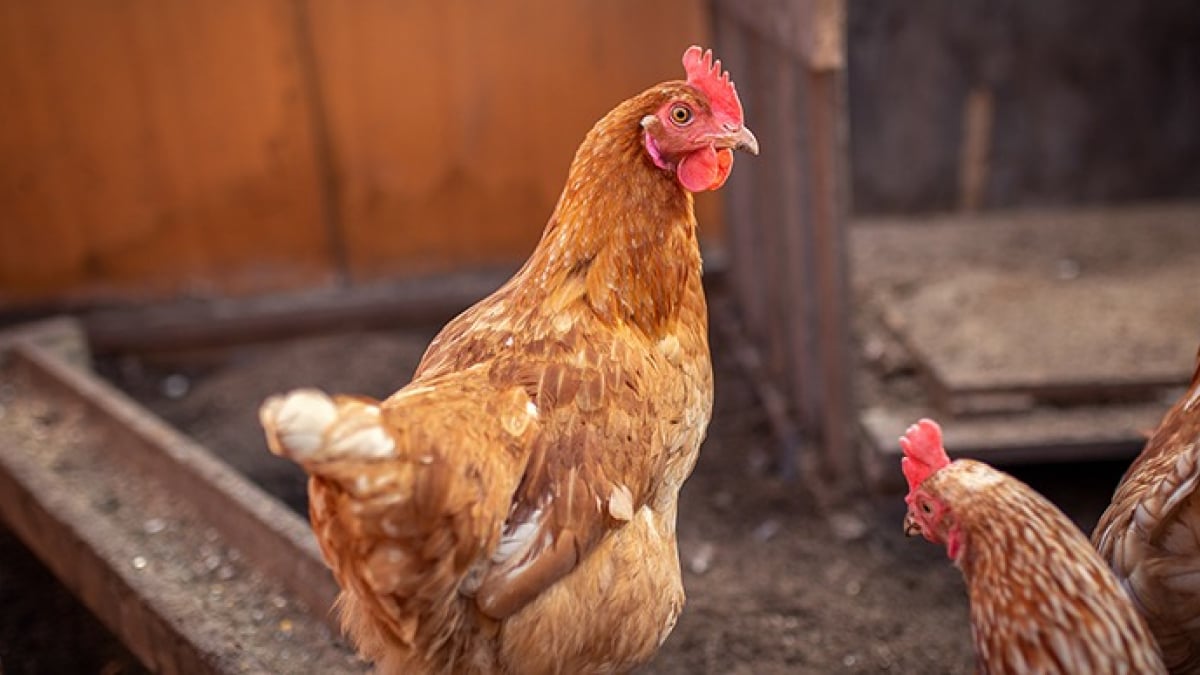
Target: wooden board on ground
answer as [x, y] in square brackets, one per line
[1042, 436]
[1011, 309]
[1033, 336]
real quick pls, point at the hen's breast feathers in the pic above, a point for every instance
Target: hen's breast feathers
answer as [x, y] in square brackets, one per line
[1150, 533]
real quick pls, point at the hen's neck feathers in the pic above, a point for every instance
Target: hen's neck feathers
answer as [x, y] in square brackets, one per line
[1039, 593]
[1004, 519]
[623, 235]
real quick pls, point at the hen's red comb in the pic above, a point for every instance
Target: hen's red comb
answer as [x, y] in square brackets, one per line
[705, 74]
[923, 452]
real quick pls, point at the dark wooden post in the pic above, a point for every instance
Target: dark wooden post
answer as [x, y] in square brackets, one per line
[787, 214]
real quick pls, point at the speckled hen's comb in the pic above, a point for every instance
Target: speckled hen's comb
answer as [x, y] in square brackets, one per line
[706, 75]
[923, 452]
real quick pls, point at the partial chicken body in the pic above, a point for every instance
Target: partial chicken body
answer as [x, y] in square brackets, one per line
[1150, 534]
[512, 510]
[1042, 601]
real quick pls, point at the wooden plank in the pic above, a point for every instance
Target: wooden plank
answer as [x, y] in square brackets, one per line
[767, 218]
[154, 147]
[274, 538]
[1029, 333]
[452, 127]
[828, 176]
[62, 336]
[1045, 435]
[797, 308]
[975, 154]
[192, 567]
[179, 325]
[800, 206]
[1062, 306]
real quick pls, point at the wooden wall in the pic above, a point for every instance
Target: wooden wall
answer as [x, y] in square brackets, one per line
[193, 147]
[1065, 102]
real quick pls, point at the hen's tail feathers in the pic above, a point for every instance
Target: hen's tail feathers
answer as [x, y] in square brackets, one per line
[923, 452]
[308, 426]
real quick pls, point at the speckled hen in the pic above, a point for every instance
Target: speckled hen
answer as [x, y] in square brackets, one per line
[1150, 534]
[1042, 600]
[512, 510]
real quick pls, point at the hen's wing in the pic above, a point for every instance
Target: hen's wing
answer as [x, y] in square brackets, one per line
[1150, 534]
[590, 470]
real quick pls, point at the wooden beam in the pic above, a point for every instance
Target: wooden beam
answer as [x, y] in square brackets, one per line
[230, 321]
[795, 296]
[789, 242]
[261, 527]
[828, 176]
[1047, 435]
[193, 567]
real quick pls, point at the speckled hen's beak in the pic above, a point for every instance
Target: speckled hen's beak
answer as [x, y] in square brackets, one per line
[911, 528]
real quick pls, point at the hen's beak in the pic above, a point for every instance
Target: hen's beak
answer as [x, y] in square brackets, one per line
[911, 528]
[742, 139]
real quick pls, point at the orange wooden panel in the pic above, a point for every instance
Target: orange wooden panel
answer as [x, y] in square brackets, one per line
[453, 123]
[152, 146]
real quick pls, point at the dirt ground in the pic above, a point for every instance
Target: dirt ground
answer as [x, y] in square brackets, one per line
[44, 629]
[773, 585]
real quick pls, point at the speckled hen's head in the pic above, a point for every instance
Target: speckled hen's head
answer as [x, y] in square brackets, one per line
[928, 513]
[694, 132]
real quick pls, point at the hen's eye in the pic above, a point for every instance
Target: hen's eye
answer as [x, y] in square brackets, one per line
[926, 508]
[681, 114]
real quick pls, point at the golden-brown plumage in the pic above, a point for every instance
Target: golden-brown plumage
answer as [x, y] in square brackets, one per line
[1042, 601]
[512, 510]
[1150, 534]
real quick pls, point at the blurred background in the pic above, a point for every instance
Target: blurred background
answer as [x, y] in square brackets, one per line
[159, 149]
[984, 211]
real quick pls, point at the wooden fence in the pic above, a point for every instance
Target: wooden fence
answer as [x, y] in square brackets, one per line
[152, 149]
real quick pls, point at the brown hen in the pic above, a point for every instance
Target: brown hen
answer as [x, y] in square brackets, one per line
[1150, 533]
[1042, 601]
[512, 510]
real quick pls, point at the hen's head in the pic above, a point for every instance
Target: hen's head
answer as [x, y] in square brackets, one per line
[695, 129]
[928, 513]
